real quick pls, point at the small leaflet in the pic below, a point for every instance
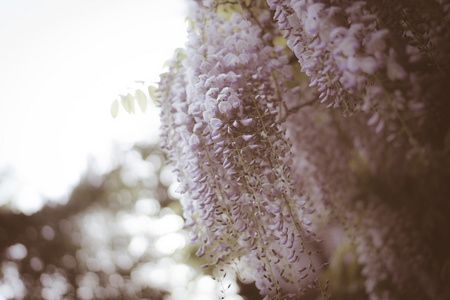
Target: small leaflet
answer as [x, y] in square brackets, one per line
[114, 108]
[128, 103]
[151, 92]
[141, 99]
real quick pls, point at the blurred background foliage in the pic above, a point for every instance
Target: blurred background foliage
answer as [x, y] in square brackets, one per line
[119, 236]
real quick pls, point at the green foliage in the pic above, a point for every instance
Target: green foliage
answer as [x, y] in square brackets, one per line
[128, 101]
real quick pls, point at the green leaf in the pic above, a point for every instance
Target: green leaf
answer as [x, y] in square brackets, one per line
[152, 93]
[141, 99]
[114, 108]
[128, 103]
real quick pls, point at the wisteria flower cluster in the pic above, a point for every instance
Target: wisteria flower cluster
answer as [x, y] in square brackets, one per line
[265, 168]
[233, 159]
[356, 56]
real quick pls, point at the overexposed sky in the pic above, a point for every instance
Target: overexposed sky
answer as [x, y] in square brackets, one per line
[62, 63]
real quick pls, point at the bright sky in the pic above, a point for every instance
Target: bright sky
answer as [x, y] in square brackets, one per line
[62, 63]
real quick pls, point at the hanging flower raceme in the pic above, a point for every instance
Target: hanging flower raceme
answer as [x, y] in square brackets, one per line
[339, 47]
[388, 58]
[356, 61]
[228, 115]
[233, 160]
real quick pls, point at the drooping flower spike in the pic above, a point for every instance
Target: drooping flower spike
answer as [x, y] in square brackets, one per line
[232, 157]
[263, 165]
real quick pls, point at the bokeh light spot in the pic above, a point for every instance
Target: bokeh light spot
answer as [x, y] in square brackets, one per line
[48, 233]
[137, 246]
[17, 251]
[169, 243]
[85, 293]
[36, 264]
[147, 206]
